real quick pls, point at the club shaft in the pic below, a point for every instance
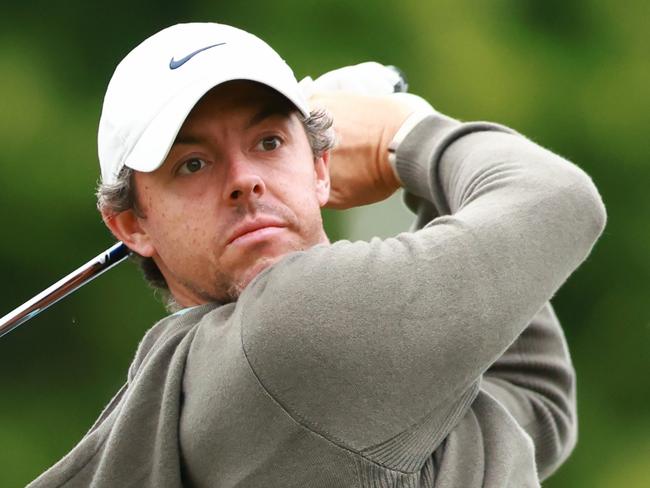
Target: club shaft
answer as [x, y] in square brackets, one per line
[62, 288]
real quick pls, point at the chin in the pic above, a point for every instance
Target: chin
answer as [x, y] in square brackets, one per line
[265, 256]
[261, 263]
[259, 266]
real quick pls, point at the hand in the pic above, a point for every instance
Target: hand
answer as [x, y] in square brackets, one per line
[360, 172]
[367, 114]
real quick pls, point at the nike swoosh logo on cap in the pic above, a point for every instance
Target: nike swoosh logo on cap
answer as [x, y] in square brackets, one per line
[173, 64]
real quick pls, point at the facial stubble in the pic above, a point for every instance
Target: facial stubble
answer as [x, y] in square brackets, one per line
[228, 286]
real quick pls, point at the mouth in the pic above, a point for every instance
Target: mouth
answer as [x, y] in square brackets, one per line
[255, 230]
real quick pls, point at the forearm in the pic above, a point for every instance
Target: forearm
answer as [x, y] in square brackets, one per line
[534, 378]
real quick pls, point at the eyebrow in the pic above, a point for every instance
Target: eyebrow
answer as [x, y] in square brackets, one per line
[271, 109]
[187, 139]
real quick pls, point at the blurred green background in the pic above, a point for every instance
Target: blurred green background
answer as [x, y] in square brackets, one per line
[573, 76]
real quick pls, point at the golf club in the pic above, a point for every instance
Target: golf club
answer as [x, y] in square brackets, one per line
[62, 288]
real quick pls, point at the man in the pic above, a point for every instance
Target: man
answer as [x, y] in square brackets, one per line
[428, 359]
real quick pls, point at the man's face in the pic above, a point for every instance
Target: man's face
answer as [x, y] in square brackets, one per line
[239, 189]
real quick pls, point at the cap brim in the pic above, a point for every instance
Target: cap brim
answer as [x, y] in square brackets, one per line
[153, 146]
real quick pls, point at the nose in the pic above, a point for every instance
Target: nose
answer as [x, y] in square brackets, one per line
[244, 182]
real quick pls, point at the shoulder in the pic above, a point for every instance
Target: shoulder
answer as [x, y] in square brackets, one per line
[171, 327]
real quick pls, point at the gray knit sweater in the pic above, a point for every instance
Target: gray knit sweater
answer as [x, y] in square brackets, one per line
[430, 359]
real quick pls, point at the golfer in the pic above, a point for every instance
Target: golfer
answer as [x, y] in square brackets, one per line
[429, 359]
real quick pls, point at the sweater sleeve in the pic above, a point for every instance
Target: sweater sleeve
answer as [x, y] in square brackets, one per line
[535, 381]
[367, 343]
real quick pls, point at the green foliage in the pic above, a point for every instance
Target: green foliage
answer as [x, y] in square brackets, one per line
[573, 76]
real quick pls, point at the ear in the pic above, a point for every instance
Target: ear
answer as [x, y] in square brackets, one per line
[322, 173]
[126, 226]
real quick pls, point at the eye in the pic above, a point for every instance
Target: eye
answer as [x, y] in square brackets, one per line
[269, 143]
[191, 166]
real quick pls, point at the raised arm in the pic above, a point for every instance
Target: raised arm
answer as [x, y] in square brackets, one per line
[534, 380]
[366, 343]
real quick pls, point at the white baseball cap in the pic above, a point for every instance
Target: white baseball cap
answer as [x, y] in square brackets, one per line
[157, 84]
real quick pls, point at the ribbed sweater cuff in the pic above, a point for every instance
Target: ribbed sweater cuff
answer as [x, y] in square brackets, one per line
[418, 155]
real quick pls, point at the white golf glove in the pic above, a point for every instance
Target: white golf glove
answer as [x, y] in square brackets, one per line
[368, 78]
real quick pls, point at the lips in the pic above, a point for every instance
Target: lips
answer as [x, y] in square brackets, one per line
[255, 227]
